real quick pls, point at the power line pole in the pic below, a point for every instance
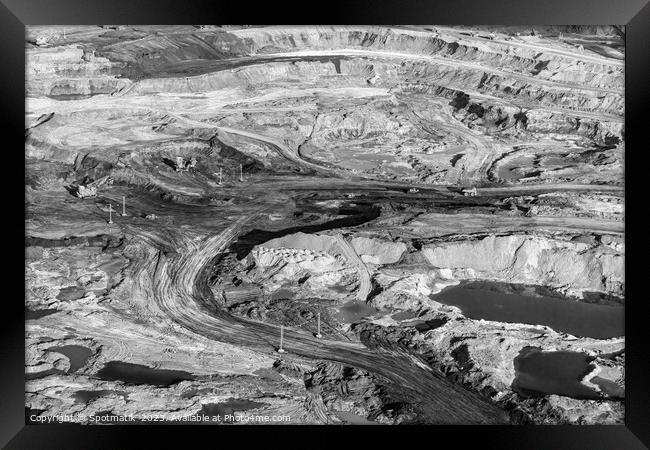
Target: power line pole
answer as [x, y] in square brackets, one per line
[110, 213]
[220, 174]
[318, 335]
[241, 173]
[281, 350]
[123, 206]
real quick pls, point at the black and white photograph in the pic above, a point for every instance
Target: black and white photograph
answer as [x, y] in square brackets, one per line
[325, 225]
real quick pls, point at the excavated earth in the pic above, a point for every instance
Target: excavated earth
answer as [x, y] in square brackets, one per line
[328, 189]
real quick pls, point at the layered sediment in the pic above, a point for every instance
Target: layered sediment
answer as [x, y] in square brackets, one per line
[324, 186]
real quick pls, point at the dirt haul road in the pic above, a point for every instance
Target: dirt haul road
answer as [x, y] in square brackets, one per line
[181, 292]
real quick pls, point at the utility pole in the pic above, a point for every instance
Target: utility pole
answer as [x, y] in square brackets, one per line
[318, 335]
[241, 173]
[110, 213]
[220, 174]
[123, 206]
[281, 350]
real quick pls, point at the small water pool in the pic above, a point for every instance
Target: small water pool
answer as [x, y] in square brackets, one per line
[404, 315]
[35, 314]
[541, 373]
[85, 396]
[609, 387]
[138, 374]
[71, 293]
[229, 407]
[525, 304]
[425, 325]
[355, 310]
[516, 168]
[77, 354]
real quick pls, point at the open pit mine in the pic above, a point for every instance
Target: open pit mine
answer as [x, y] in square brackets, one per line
[325, 225]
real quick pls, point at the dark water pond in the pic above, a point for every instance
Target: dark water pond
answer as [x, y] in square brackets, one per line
[540, 373]
[517, 168]
[70, 294]
[524, 304]
[77, 354]
[355, 310]
[43, 374]
[31, 314]
[84, 396]
[404, 315]
[609, 387]
[138, 374]
[425, 325]
[230, 406]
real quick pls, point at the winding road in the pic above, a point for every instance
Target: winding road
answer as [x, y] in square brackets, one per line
[181, 292]
[177, 252]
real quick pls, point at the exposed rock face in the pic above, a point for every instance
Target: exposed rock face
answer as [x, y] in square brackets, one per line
[320, 273]
[377, 252]
[319, 242]
[481, 354]
[70, 70]
[573, 267]
[325, 195]
[487, 97]
[410, 293]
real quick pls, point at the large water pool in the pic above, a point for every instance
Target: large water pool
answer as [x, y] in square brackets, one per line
[525, 304]
[540, 373]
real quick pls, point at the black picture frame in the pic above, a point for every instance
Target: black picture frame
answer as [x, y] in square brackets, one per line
[635, 14]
